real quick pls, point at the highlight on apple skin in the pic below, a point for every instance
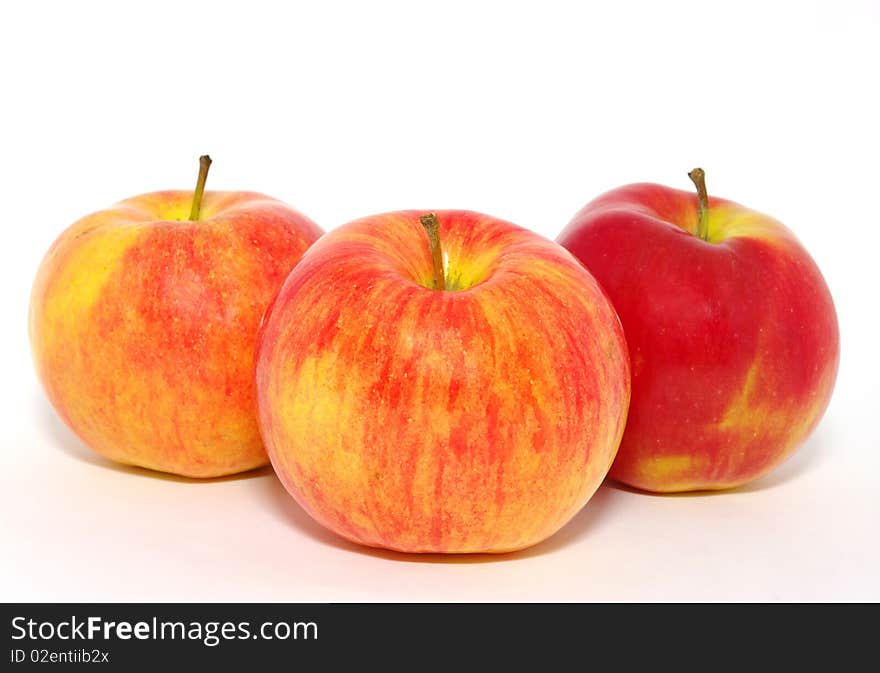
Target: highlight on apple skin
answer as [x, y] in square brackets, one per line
[731, 329]
[143, 323]
[460, 392]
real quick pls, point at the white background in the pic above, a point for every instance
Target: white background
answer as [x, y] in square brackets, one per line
[522, 110]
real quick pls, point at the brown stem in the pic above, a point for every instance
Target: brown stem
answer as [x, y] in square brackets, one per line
[432, 228]
[698, 177]
[204, 165]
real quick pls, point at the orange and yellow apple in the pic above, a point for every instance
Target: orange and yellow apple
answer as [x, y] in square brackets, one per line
[460, 390]
[143, 324]
[731, 329]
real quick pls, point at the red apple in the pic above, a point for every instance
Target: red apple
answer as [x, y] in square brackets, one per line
[464, 401]
[143, 324]
[731, 330]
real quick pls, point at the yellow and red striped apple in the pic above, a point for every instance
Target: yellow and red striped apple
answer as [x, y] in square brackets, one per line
[469, 401]
[731, 330]
[143, 324]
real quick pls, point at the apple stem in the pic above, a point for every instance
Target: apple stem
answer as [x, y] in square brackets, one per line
[698, 177]
[204, 165]
[432, 228]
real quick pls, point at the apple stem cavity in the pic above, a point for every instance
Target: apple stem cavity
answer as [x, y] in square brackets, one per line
[204, 165]
[698, 177]
[432, 228]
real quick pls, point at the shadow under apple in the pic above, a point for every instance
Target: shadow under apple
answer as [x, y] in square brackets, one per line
[807, 458]
[278, 502]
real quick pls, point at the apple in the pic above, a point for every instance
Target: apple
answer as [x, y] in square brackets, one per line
[143, 323]
[731, 329]
[460, 392]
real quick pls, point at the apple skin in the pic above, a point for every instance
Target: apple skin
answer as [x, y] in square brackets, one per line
[476, 419]
[143, 328]
[734, 342]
